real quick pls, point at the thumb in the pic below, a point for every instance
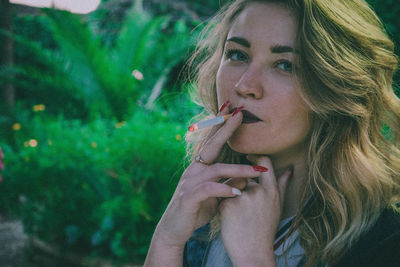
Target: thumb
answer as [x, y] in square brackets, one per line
[282, 183]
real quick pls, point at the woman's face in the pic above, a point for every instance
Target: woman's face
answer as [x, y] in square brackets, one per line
[256, 71]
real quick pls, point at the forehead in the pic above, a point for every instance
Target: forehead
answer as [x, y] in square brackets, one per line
[265, 23]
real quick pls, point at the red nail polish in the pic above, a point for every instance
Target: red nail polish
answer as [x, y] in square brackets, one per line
[224, 105]
[260, 169]
[237, 110]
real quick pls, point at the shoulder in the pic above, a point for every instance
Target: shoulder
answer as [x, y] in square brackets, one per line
[378, 247]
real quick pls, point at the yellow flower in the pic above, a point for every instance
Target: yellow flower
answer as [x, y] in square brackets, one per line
[16, 126]
[178, 137]
[39, 107]
[94, 144]
[120, 124]
[33, 143]
[138, 75]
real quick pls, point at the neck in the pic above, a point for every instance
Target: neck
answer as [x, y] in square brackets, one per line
[295, 185]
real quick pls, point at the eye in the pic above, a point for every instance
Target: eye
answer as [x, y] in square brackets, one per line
[285, 65]
[236, 55]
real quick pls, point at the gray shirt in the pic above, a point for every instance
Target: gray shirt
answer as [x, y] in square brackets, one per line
[289, 253]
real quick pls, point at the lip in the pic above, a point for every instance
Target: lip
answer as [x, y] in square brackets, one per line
[248, 117]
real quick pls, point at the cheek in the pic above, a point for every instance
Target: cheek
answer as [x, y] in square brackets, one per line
[293, 126]
[226, 80]
[221, 82]
[291, 115]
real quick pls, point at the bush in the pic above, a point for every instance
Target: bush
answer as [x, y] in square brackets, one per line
[77, 75]
[97, 188]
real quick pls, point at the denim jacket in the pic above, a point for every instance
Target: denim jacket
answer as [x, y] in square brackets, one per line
[196, 247]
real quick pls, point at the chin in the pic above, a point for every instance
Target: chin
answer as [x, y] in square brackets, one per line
[243, 147]
[245, 140]
[251, 144]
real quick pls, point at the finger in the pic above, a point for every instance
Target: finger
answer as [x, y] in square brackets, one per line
[282, 183]
[224, 110]
[219, 171]
[212, 148]
[266, 179]
[239, 183]
[251, 184]
[211, 189]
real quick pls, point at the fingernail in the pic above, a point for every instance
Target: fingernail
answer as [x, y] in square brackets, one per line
[236, 191]
[237, 110]
[260, 169]
[224, 106]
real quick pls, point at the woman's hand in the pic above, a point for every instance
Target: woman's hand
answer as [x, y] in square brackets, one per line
[195, 199]
[250, 221]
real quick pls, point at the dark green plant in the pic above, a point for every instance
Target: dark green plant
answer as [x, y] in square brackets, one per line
[92, 78]
[97, 188]
[141, 48]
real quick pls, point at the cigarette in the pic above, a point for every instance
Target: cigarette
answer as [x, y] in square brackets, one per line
[209, 123]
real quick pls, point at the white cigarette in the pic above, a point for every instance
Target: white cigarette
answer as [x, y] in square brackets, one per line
[209, 122]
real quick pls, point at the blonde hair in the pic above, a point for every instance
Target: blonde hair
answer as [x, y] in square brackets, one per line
[346, 64]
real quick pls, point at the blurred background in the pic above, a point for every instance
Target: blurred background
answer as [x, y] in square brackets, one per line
[94, 111]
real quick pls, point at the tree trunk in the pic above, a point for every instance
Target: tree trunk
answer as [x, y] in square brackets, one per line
[7, 51]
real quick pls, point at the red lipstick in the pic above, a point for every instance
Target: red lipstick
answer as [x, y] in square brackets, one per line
[248, 117]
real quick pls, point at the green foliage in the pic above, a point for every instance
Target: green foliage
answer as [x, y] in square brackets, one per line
[88, 78]
[92, 69]
[98, 188]
[44, 79]
[90, 169]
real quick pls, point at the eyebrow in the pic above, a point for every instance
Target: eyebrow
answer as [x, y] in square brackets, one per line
[276, 49]
[240, 41]
[282, 49]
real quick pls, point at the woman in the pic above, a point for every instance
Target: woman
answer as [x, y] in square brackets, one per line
[311, 151]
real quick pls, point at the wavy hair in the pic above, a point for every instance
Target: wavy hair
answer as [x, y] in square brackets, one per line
[346, 64]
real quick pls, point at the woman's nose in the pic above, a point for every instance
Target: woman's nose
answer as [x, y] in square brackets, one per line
[249, 84]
